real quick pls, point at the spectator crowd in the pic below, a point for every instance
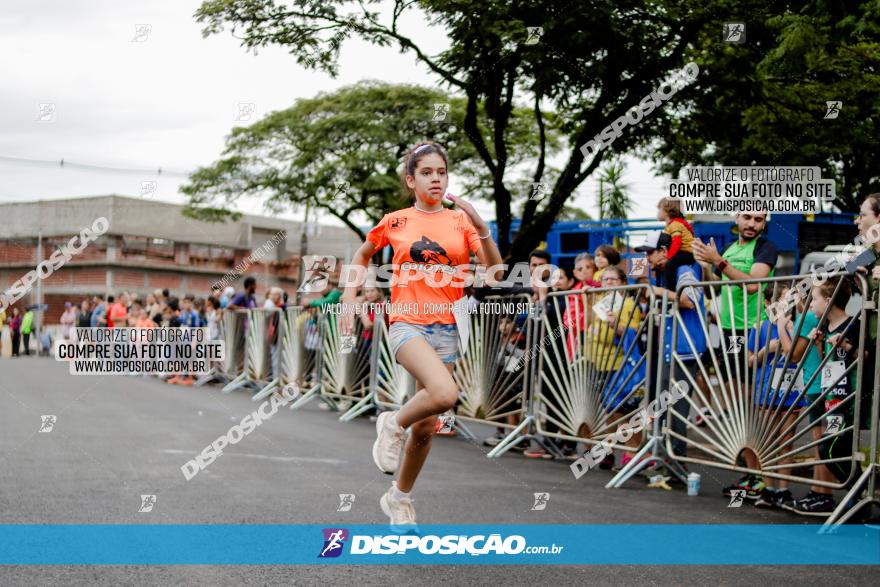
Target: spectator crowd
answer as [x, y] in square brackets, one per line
[602, 318]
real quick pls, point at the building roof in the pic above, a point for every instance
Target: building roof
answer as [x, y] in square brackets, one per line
[154, 219]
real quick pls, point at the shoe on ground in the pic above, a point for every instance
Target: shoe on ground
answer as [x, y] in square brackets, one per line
[400, 511]
[752, 484]
[174, 380]
[570, 452]
[537, 453]
[775, 499]
[625, 460]
[188, 381]
[814, 504]
[522, 446]
[494, 440]
[607, 463]
[389, 443]
[756, 489]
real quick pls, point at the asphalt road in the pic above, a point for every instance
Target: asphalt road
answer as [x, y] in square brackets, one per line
[116, 438]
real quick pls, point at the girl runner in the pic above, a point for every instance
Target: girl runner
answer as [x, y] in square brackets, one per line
[431, 241]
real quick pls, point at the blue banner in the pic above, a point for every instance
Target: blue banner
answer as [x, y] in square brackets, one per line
[171, 544]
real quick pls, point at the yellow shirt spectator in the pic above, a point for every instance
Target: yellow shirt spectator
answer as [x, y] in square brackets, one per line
[602, 350]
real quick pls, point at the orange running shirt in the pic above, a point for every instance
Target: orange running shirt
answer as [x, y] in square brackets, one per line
[428, 246]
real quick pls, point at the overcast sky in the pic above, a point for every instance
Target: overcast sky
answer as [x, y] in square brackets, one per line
[163, 96]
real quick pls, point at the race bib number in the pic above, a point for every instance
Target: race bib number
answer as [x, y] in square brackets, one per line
[831, 372]
[782, 379]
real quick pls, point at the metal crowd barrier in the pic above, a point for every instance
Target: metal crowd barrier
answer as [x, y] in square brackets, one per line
[591, 375]
[217, 372]
[345, 364]
[296, 363]
[583, 363]
[867, 483]
[257, 351]
[493, 370]
[275, 352]
[653, 450]
[306, 351]
[390, 383]
[761, 412]
[233, 335]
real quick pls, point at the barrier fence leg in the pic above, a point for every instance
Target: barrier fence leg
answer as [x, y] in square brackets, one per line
[213, 375]
[511, 439]
[359, 408]
[266, 391]
[637, 464]
[306, 397]
[838, 516]
[237, 383]
[464, 430]
[659, 455]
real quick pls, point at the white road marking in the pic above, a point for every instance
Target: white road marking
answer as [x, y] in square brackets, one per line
[172, 451]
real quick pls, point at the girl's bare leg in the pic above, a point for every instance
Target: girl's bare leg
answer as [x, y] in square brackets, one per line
[436, 392]
[440, 393]
[417, 447]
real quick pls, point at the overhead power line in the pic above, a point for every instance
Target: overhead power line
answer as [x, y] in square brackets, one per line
[66, 164]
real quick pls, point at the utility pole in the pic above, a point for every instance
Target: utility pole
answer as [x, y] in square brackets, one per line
[38, 315]
[303, 251]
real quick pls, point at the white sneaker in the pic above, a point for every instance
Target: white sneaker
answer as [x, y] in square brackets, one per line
[389, 443]
[400, 511]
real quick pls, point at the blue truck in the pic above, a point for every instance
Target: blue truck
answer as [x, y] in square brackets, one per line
[795, 235]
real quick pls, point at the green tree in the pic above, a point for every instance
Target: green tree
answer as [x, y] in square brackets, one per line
[593, 61]
[574, 213]
[767, 102]
[590, 62]
[613, 195]
[341, 153]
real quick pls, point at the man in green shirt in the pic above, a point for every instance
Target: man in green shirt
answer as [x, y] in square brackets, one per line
[751, 256]
[27, 326]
